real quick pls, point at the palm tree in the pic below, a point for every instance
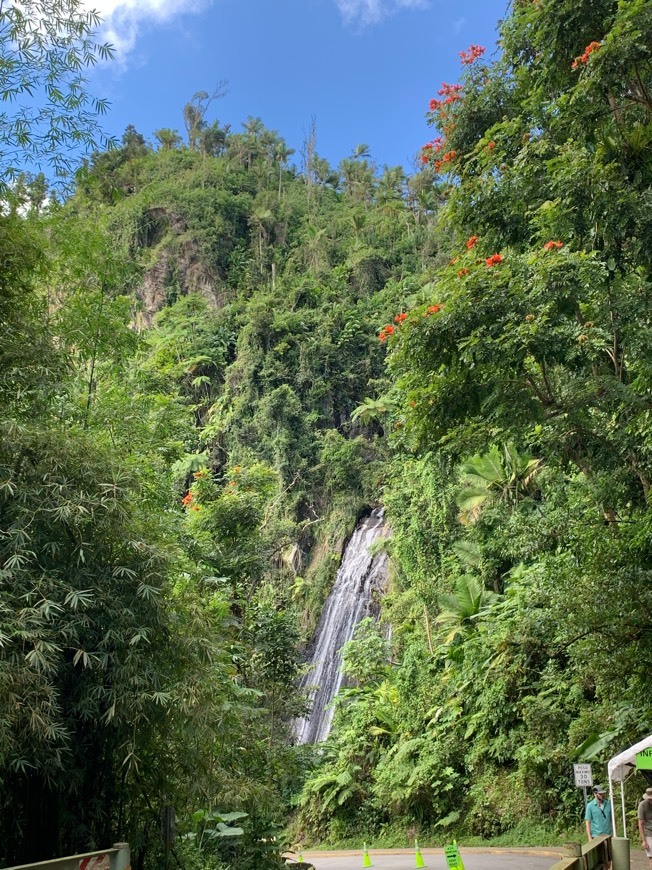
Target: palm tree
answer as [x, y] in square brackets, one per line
[372, 409]
[212, 139]
[358, 179]
[261, 219]
[281, 155]
[358, 223]
[504, 475]
[168, 139]
[324, 173]
[316, 247]
[251, 144]
[391, 185]
[460, 609]
[361, 151]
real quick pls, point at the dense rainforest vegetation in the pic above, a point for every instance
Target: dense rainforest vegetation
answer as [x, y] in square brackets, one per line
[216, 356]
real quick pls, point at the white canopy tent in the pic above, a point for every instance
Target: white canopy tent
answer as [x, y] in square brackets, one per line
[619, 769]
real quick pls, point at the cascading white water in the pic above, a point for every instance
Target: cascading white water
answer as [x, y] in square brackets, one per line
[360, 578]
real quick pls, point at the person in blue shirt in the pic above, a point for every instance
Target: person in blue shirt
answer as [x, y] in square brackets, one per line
[598, 817]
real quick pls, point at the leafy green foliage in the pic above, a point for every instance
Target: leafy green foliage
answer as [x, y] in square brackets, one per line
[196, 406]
[47, 114]
[186, 340]
[518, 396]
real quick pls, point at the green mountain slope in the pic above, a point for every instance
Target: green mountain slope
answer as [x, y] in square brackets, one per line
[214, 362]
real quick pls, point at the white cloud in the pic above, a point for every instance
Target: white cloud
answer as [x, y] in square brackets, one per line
[366, 12]
[122, 18]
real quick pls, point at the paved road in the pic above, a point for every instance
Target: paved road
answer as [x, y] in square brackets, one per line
[404, 859]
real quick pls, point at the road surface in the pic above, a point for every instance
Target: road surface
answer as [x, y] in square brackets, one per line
[404, 859]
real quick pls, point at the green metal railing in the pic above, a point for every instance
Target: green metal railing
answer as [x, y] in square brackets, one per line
[116, 858]
[595, 855]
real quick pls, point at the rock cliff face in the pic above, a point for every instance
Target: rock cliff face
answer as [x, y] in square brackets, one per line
[176, 266]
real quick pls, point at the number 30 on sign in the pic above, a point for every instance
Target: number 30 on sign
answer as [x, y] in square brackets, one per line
[583, 775]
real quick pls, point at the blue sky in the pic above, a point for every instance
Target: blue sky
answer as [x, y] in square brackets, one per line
[365, 69]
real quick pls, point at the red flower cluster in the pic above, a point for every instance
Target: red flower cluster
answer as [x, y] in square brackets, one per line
[432, 309]
[431, 148]
[470, 243]
[388, 329]
[588, 51]
[493, 260]
[447, 158]
[471, 54]
[549, 246]
[491, 145]
[186, 501]
[450, 93]
[462, 272]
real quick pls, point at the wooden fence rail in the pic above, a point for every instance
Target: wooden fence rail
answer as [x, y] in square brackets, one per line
[117, 858]
[591, 856]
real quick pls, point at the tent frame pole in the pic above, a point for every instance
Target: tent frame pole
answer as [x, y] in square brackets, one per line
[622, 802]
[611, 800]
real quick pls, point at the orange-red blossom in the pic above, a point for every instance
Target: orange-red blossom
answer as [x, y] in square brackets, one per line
[471, 54]
[588, 51]
[187, 501]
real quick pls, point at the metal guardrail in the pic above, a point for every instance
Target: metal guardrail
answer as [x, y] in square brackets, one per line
[116, 858]
[591, 856]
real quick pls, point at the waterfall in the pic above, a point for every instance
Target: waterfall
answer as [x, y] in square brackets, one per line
[360, 578]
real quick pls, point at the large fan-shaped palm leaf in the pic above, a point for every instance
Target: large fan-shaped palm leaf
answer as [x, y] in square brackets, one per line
[460, 608]
[506, 475]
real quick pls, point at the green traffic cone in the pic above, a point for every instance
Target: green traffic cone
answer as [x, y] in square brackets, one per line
[366, 860]
[299, 856]
[460, 863]
[418, 862]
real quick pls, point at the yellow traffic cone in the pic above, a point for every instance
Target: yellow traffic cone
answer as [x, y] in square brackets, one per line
[299, 856]
[366, 860]
[460, 863]
[418, 862]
